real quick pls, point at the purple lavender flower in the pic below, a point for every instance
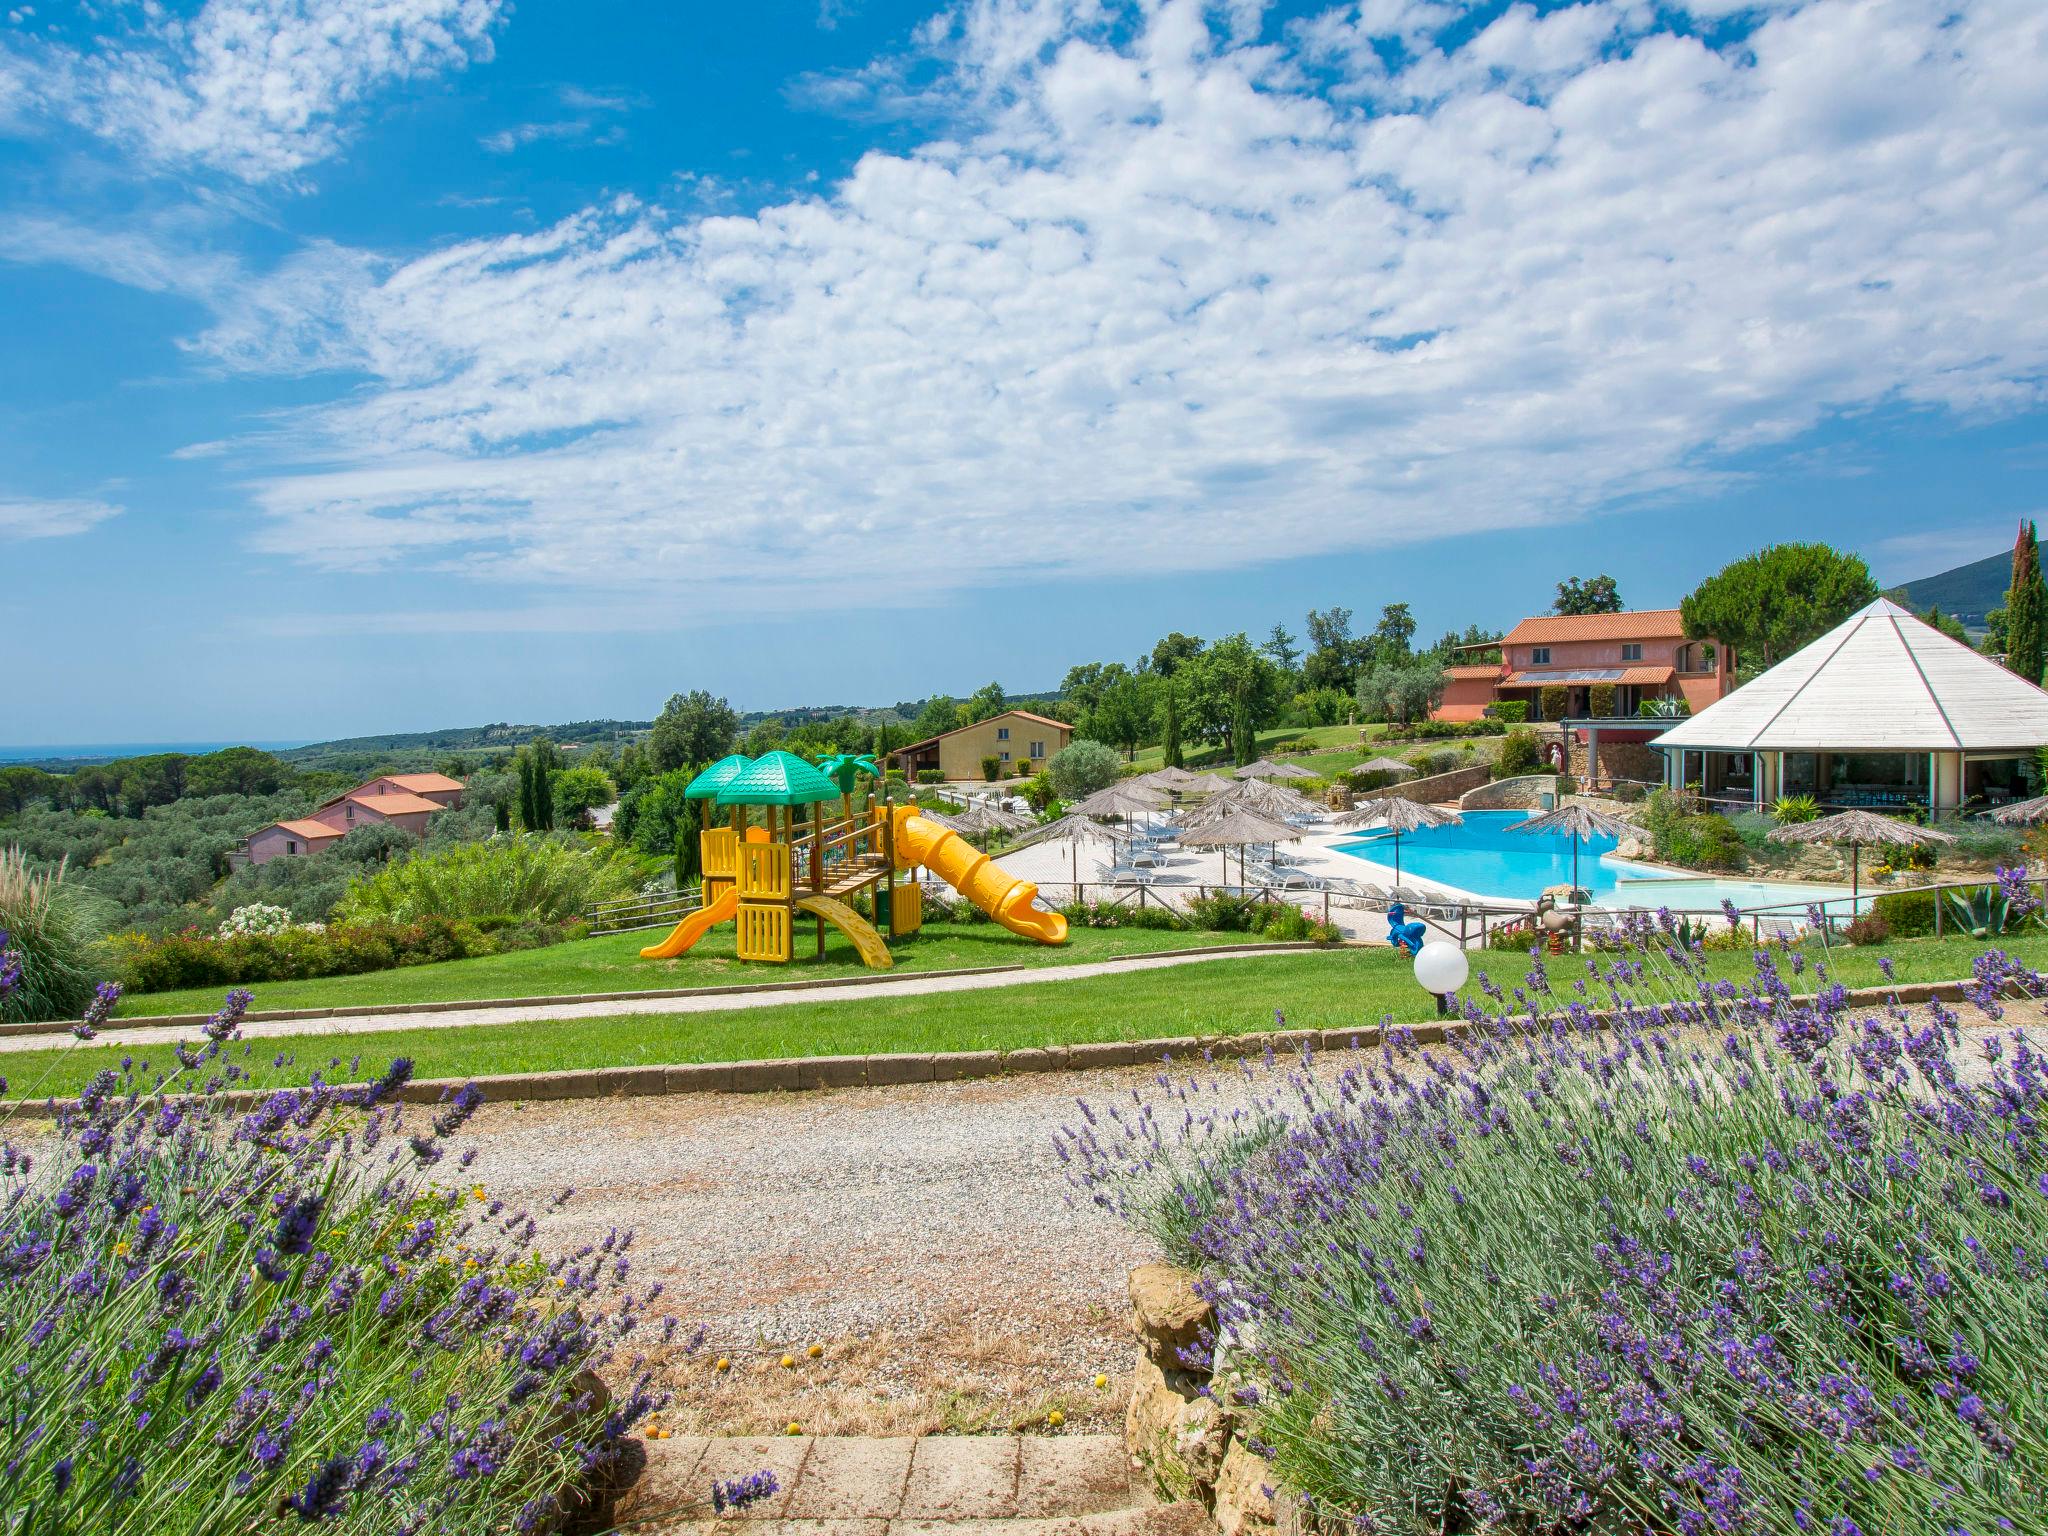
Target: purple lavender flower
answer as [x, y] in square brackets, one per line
[740, 1492]
[98, 1011]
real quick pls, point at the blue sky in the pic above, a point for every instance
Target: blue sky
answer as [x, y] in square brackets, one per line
[383, 364]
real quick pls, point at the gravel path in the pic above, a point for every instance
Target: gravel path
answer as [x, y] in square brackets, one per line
[456, 1018]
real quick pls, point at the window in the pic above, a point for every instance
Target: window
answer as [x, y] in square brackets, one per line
[1037, 751]
[351, 813]
[290, 846]
[1632, 651]
[1003, 757]
[1002, 733]
[1539, 655]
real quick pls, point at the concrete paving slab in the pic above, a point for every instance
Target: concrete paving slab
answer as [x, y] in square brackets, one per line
[962, 1477]
[850, 1478]
[784, 1455]
[1064, 1475]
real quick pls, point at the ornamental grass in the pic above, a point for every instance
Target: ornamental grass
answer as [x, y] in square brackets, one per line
[292, 1309]
[1727, 1260]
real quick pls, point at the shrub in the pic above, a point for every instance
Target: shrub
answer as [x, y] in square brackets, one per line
[53, 936]
[991, 768]
[931, 775]
[1565, 1276]
[547, 879]
[1600, 700]
[1223, 912]
[1793, 809]
[218, 1317]
[1553, 697]
[1080, 768]
[1098, 914]
[1040, 794]
[1702, 842]
[1907, 914]
[1509, 711]
[1519, 754]
[1868, 928]
[193, 959]
[257, 917]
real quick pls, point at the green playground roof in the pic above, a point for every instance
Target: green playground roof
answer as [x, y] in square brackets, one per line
[780, 778]
[842, 768]
[721, 773]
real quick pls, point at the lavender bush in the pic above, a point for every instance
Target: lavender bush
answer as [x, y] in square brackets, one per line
[224, 1320]
[1742, 1261]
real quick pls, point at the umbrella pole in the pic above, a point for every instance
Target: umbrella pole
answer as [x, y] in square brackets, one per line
[1855, 877]
[1397, 858]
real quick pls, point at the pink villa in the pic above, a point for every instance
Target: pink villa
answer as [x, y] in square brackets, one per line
[402, 800]
[1640, 656]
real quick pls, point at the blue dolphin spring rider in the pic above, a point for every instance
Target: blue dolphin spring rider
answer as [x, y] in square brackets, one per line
[1403, 934]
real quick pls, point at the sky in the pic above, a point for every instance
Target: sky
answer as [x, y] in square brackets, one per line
[376, 365]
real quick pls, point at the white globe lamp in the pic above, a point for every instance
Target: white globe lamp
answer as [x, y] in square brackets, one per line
[1441, 967]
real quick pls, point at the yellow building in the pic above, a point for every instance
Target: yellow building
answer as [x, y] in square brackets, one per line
[1020, 741]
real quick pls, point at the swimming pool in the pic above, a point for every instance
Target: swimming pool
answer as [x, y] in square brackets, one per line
[1481, 857]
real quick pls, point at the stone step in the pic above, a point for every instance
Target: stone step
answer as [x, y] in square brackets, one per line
[936, 1485]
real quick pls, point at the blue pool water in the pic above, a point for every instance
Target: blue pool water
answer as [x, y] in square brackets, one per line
[1481, 856]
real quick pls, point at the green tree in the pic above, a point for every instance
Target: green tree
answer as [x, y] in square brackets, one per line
[2026, 610]
[578, 791]
[1596, 594]
[1168, 657]
[1333, 654]
[1233, 691]
[1282, 648]
[1123, 714]
[529, 814]
[1767, 605]
[985, 703]
[235, 771]
[1948, 624]
[1392, 638]
[1080, 768]
[764, 738]
[692, 729]
[1401, 691]
[939, 715]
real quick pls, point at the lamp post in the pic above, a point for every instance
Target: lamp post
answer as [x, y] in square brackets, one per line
[1441, 968]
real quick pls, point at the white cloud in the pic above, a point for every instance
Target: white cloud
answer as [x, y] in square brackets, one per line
[255, 88]
[32, 518]
[1167, 301]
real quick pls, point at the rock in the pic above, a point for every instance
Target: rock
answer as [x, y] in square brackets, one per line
[1166, 1314]
[1175, 1431]
[1631, 848]
[1243, 1507]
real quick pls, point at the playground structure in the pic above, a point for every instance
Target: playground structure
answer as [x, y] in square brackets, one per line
[765, 876]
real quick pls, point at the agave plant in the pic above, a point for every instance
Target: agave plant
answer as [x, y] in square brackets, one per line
[1793, 809]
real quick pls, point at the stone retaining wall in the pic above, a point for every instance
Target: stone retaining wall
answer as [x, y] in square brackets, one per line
[1522, 794]
[1439, 787]
[1183, 1425]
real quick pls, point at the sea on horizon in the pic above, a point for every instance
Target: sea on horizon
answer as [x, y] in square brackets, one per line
[104, 751]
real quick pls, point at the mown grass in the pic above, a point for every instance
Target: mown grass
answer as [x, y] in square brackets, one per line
[612, 963]
[1331, 989]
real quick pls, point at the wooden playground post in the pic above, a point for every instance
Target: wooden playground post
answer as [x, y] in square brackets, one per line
[818, 864]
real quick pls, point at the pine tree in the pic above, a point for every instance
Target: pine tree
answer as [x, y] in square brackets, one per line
[2026, 609]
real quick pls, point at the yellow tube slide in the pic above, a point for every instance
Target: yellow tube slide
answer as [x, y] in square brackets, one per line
[695, 926]
[970, 872]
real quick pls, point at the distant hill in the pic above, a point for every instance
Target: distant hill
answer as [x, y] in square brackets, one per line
[1969, 592]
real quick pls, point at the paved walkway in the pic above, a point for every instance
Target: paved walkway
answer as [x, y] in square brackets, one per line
[939, 1485]
[456, 1018]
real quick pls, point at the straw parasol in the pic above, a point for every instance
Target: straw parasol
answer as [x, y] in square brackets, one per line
[1121, 799]
[1076, 829]
[2022, 813]
[1266, 768]
[1267, 799]
[1168, 778]
[1857, 828]
[1399, 817]
[1206, 784]
[1238, 828]
[1385, 765]
[1579, 821]
[982, 817]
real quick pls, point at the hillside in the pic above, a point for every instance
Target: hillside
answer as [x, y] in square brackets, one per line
[1969, 592]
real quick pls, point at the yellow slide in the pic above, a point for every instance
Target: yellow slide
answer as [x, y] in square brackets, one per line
[695, 926]
[970, 872]
[874, 954]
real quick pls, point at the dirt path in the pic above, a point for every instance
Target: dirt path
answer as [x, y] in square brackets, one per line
[920, 1236]
[456, 1018]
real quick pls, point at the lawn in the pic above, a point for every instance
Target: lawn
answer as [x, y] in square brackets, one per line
[612, 963]
[1331, 989]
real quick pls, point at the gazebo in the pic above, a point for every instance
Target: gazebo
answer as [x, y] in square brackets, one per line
[1883, 712]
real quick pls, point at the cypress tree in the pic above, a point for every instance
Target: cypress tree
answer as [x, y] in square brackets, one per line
[526, 813]
[543, 795]
[2026, 609]
[1170, 727]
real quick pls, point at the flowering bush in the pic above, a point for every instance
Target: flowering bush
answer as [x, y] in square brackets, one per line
[1742, 1260]
[258, 917]
[223, 1320]
[195, 959]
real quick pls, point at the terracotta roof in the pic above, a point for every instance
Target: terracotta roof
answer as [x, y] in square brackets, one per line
[310, 830]
[393, 805]
[1542, 677]
[1008, 714]
[1489, 670]
[1561, 628]
[420, 783]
